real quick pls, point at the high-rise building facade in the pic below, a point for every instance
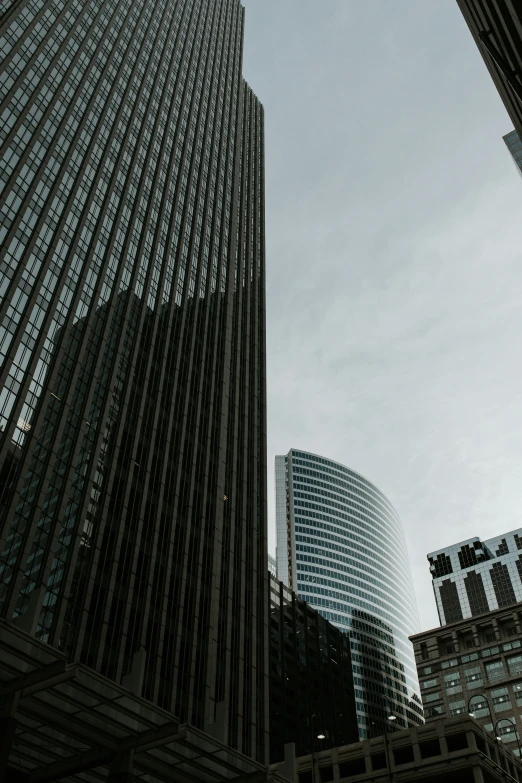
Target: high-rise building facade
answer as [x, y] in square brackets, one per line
[496, 26]
[132, 348]
[312, 700]
[341, 547]
[474, 576]
[514, 145]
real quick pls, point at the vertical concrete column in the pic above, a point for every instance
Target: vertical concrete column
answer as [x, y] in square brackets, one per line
[218, 729]
[288, 769]
[433, 647]
[478, 777]
[455, 640]
[496, 629]
[28, 621]
[7, 731]
[121, 769]
[415, 745]
[516, 620]
[476, 638]
[134, 679]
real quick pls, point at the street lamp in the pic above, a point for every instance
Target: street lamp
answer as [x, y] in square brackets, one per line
[496, 733]
[390, 714]
[499, 738]
[479, 696]
[392, 718]
[320, 736]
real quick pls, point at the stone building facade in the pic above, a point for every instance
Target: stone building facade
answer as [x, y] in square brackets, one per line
[475, 666]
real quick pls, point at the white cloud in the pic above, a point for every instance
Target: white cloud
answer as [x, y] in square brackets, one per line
[394, 275]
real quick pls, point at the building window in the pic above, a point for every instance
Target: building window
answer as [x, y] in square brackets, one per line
[441, 566]
[467, 556]
[429, 683]
[473, 677]
[479, 707]
[432, 712]
[515, 664]
[506, 730]
[432, 697]
[470, 657]
[457, 707]
[450, 601]
[502, 586]
[450, 663]
[478, 602]
[500, 699]
[452, 683]
[517, 690]
[490, 651]
[495, 670]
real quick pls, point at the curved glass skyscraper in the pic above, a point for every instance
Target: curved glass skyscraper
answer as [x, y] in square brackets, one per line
[341, 547]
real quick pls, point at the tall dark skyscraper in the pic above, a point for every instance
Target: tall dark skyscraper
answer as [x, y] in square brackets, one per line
[132, 348]
[496, 26]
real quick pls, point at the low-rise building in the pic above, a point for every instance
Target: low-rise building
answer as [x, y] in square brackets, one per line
[450, 750]
[475, 666]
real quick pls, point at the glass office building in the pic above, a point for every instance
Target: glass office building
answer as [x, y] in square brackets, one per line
[132, 348]
[474, 576]
[341, 547]
[514, 145]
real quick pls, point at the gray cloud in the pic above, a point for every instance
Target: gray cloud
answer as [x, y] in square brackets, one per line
[393, 252]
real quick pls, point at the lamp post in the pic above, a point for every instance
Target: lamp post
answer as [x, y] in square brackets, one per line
[498, 738]
[320, 735]
[513, 723]
[391, 717]
[478, 696]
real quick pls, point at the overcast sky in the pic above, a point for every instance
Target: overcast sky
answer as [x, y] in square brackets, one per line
[394, 275]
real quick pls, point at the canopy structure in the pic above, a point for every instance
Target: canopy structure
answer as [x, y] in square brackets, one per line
[62, 721]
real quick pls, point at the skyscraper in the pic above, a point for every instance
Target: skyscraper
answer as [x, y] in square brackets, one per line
[496, 26]
[341, 547]
[132, 343]
[514, 145]
[474, 576]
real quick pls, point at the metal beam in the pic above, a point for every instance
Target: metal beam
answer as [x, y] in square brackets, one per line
[50, 715]
[35, 680]
[103, 755]
[261, 776]
[74, 766]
